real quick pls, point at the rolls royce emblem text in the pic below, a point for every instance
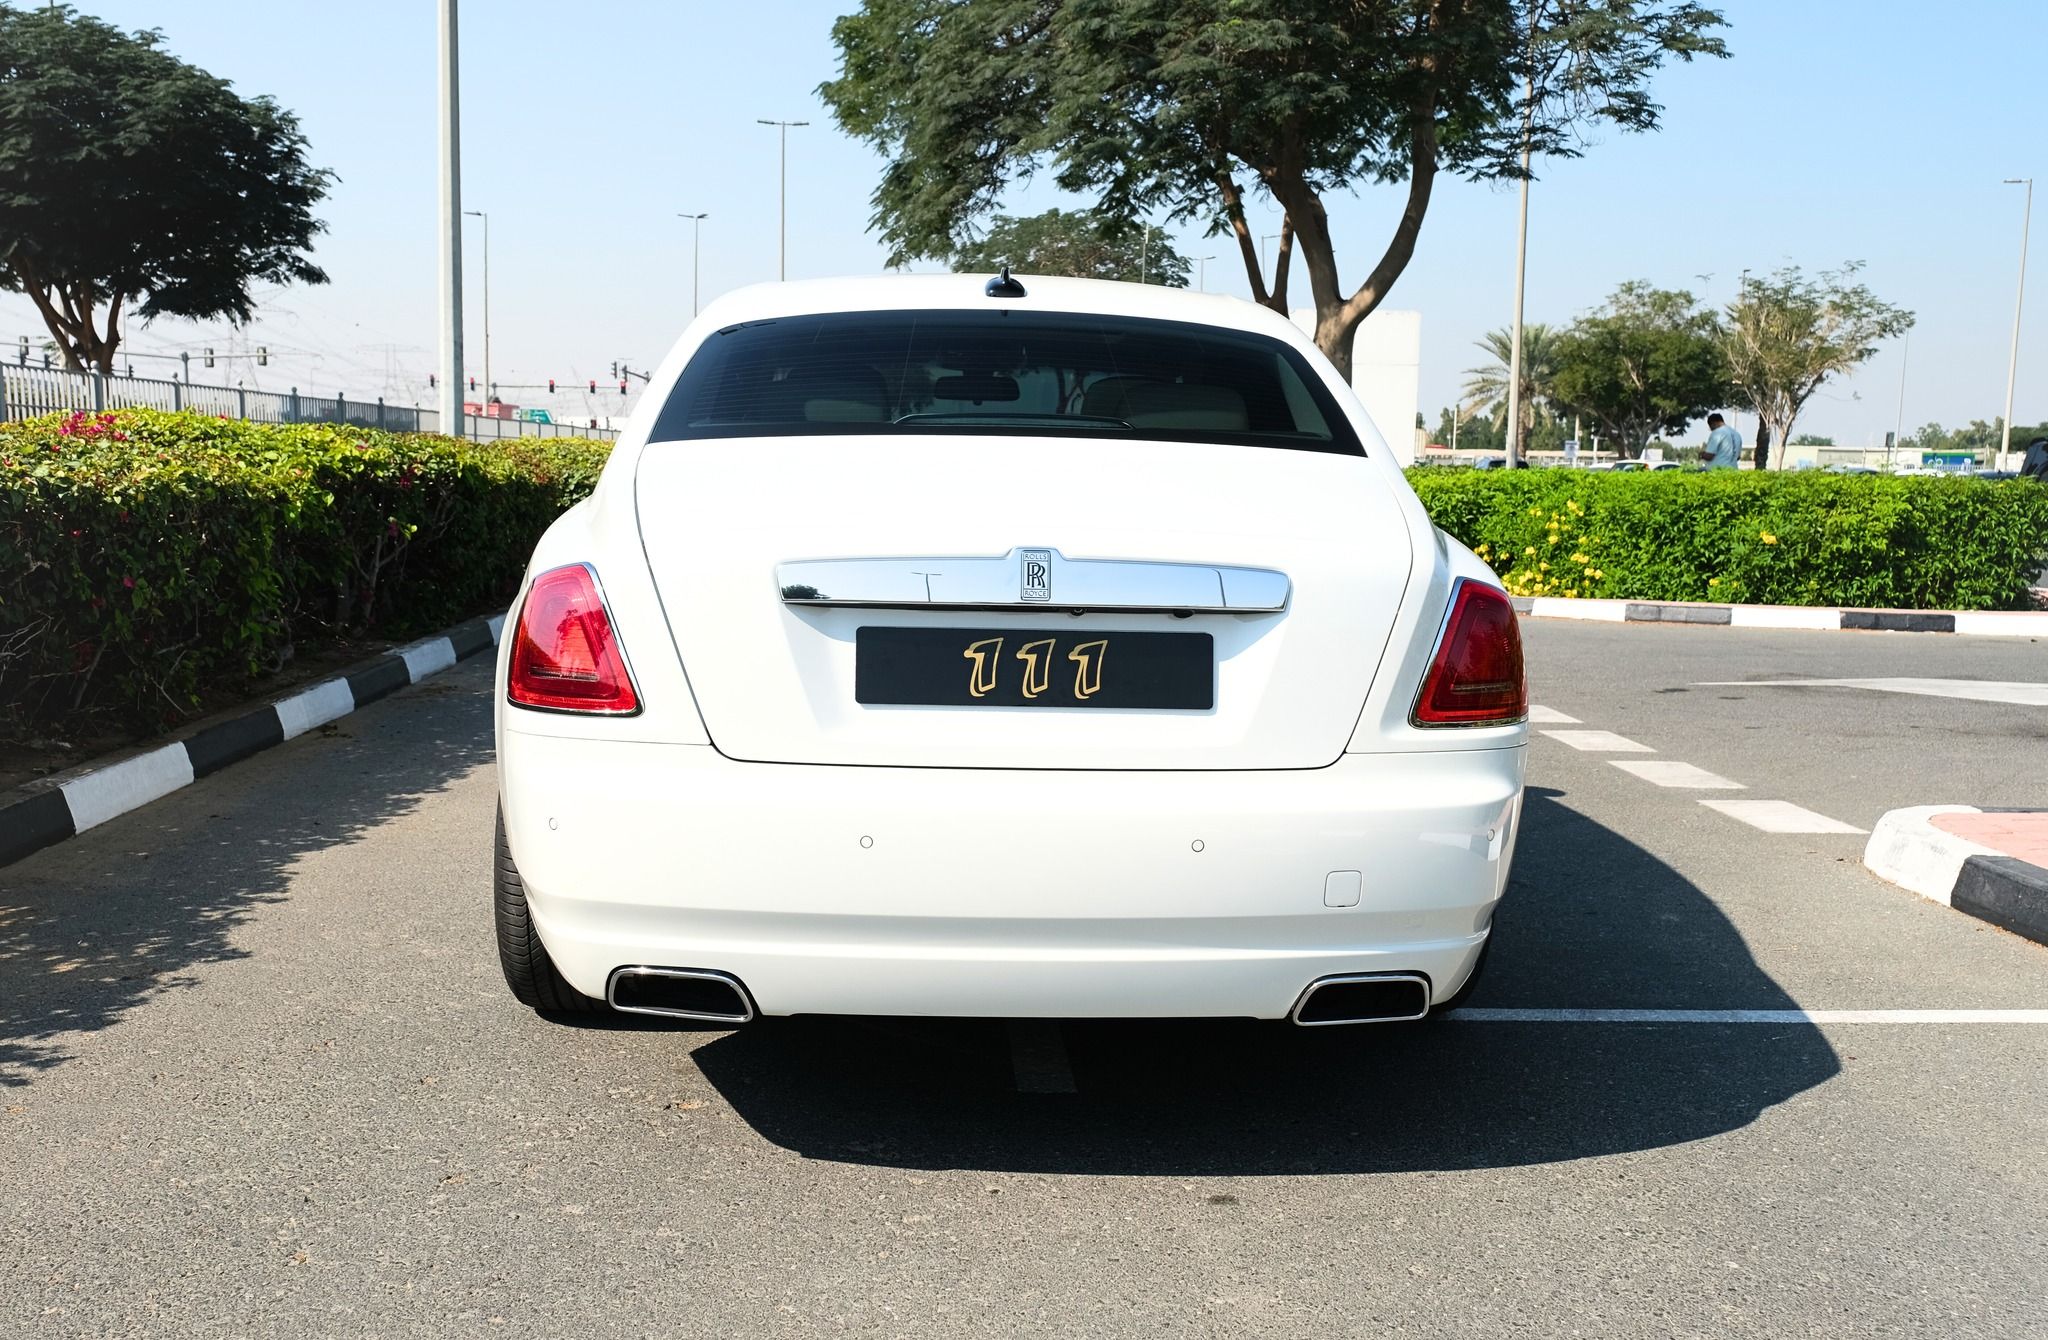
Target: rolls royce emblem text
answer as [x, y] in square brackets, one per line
[1036, 574]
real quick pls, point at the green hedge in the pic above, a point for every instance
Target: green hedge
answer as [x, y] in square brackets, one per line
[1774, 539]
[144, 555]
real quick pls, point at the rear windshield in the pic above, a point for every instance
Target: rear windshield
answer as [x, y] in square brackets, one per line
[1042, 374]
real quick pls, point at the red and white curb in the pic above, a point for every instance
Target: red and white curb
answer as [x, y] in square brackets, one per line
[1907, 849]
[1976, 623]
[61, 807]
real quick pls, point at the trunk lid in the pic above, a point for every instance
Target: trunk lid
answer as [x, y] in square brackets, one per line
[775, 678]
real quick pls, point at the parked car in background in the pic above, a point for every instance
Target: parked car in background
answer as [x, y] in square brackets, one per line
[1499, 463]
[1047, 647]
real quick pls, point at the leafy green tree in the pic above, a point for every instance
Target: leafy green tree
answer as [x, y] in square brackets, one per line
[1788, 335]
[1647, 362]
[130, 180]
[1081, 245]
[1189, 107]
[1487, 384]
[1812, 440]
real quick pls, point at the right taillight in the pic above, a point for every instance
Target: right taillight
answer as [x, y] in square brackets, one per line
[1475, 678]
[565, 656]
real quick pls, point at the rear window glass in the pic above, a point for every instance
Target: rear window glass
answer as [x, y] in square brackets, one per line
[1002, 371]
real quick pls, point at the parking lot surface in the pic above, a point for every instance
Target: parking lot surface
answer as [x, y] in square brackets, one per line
[259, 1075]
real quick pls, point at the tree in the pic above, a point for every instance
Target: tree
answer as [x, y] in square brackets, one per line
[1812, 440]
[1787, 335]
[131, 179]
[1487, 384]
[1189, 107]
[1082, 245]
[1648, 362]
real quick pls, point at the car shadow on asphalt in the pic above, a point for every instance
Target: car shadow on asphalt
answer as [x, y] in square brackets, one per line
[93, 928]
[1592, 920]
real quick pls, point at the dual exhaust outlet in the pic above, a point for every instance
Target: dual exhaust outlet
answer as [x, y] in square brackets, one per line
[709, 996]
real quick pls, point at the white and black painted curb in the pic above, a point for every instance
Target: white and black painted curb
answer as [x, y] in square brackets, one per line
[1980, 623]
[48, 813]
[1908, 850]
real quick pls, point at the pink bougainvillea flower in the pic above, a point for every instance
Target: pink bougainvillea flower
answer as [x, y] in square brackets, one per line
[128, 582]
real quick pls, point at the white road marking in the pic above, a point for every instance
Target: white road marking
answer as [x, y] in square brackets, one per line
[1783, 616]
[1549, 716]
[428, 657]
[1779, 816]
[105, 793]
[314, 707]
[1670, 772]
[2017, 692]
[1485, 1016]
[1598, 742]
[1038, 1057]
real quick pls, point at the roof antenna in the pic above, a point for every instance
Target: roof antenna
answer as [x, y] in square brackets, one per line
[1002, 286]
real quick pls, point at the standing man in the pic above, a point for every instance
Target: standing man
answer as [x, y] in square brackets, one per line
[1724, 445]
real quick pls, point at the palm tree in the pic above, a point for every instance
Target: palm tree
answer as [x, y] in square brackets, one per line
[1486, 386]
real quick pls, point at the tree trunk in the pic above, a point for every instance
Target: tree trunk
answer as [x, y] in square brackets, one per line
[1337, 316]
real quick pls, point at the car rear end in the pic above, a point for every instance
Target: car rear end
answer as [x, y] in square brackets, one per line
[1080, 654]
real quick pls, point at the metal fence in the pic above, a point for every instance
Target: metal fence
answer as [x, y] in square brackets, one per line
[27, 392]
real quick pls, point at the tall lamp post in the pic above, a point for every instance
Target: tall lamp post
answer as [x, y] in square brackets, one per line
[782, 247]
[696, 247]
[451, 225]
[2019, 304]
[480, 214]
[1202, 273]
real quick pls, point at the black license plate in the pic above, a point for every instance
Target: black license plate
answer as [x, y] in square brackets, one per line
[1025, 667]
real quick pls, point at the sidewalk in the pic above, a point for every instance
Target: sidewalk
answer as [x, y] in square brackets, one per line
[1990, 864]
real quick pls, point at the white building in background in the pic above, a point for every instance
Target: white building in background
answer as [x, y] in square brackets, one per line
[1386, 372]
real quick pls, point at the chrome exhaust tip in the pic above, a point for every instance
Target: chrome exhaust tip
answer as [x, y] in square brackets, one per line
[703, 994]
[1363, 998]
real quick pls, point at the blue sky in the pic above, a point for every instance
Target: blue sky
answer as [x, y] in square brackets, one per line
[1875, 130]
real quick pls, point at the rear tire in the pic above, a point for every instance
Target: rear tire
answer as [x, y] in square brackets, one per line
[529, 971]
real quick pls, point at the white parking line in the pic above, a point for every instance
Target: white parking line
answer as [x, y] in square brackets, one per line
[1670, 772]
[1038, 1057]
[1598, 742]
[1549, 716]
[1779, 816]
[1485, 1016]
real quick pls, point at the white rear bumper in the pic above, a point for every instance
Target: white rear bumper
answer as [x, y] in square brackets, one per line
[852, 890]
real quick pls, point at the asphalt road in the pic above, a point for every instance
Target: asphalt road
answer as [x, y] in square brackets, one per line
[259, 1076]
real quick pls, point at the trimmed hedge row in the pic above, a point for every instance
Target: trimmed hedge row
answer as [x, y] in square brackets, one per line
[1748, 538]
[145, 554]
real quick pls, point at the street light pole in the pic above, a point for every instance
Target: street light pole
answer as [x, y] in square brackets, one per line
[696, 247]
[480, 214]
[1202, 272]
[1514, 424]
[2019, 304]
[451, 224]
[782, 252]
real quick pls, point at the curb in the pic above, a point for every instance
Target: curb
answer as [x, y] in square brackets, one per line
[67, 805]
[1906, 849]
[1977, 623]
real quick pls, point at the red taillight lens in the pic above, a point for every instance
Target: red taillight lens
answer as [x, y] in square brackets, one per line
[564, 655]
[1476, 678]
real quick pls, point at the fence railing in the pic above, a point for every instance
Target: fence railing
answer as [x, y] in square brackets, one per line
[27, 392]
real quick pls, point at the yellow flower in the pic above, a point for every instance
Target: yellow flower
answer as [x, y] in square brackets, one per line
[1543, 567]
[1768, 538]
[1713, 581]
[1530, 550]
[1580, 558]
[1594, 573]
[1535, 511]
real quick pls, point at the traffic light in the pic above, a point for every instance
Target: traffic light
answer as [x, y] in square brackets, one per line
[551, 386]
[262, 355]
[615, 367]
[432, 381]
[472, 383]
[593, 386]
[209, 358]
[622, 386]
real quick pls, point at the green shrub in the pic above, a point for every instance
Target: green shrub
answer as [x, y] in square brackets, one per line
[1737, 536]
[143, 554]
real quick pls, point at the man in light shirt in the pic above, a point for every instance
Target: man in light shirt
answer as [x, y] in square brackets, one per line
[1724, 445]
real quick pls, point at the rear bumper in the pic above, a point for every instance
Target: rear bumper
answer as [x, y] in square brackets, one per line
[921, 891]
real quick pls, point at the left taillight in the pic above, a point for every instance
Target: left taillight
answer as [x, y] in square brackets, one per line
[565, 655]
[1475, 678]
